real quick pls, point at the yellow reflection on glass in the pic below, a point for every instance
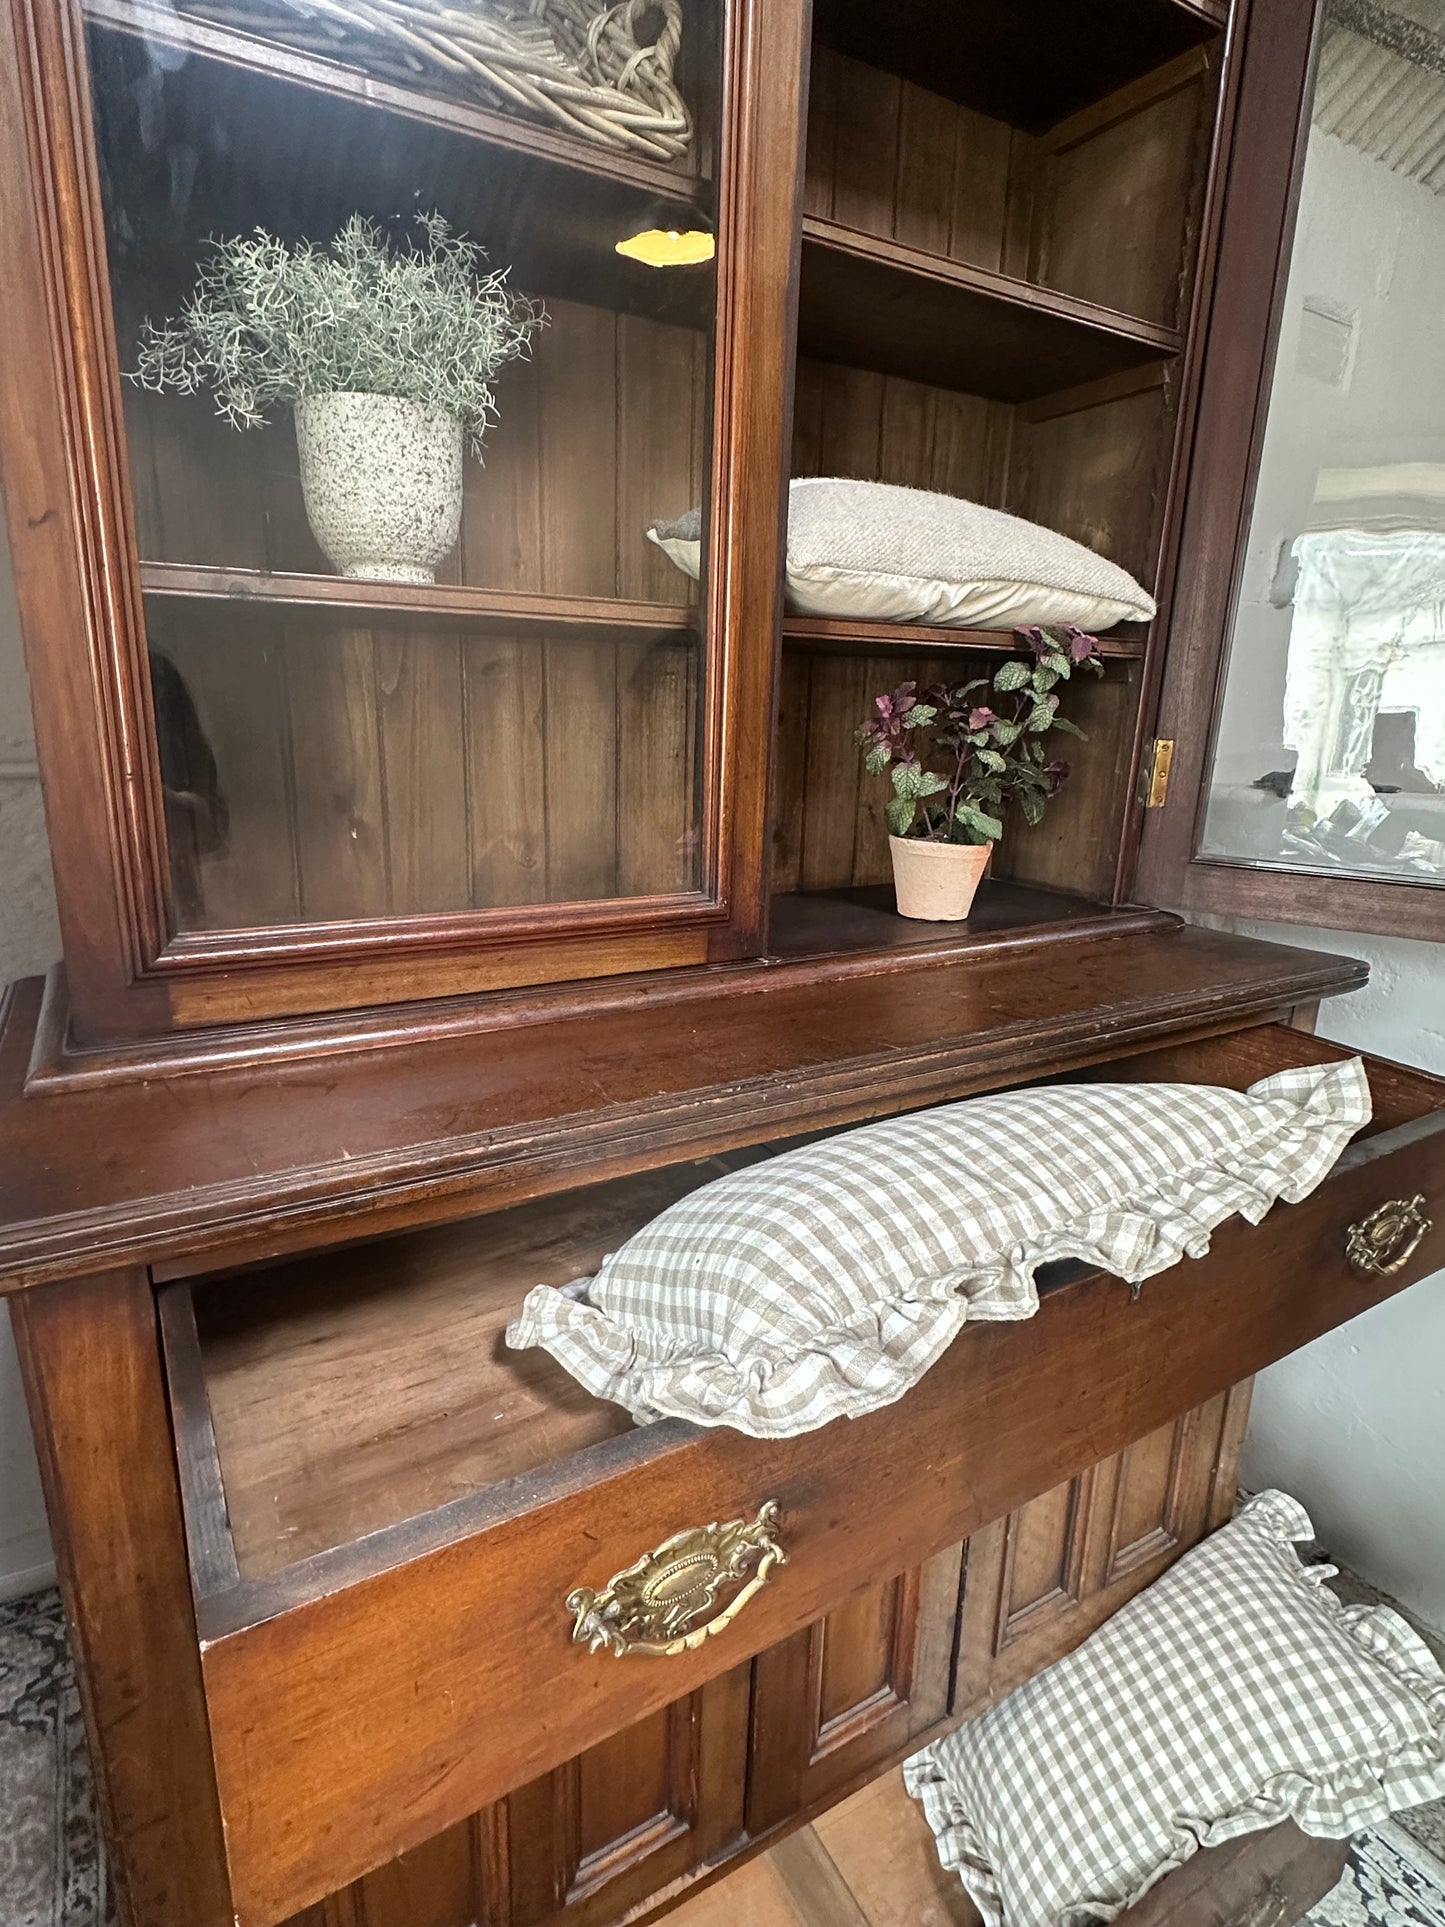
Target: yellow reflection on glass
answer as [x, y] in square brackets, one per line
[669, 247]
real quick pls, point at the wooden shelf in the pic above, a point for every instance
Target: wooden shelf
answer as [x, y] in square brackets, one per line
[830, 924]
[874, 303]
[493, 609]
[881, 638]
[162, 27]
[507, 610]
[299, 144]
[1031, 66]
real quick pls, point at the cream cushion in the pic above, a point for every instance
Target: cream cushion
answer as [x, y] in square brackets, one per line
[823, 1282]
[1236, 1693]
[881, 553]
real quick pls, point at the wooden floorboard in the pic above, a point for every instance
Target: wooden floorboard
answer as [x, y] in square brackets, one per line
[869, 1862]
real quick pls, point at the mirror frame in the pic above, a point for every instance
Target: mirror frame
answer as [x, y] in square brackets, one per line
[1256, 240]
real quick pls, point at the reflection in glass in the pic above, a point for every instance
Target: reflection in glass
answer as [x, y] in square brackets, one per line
[1331, 749]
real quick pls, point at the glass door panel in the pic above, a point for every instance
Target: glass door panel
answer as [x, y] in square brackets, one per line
[1330, 754]
[401, 420]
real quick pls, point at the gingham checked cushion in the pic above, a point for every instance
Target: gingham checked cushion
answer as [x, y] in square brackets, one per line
[1237, 1692]
[827, 1280]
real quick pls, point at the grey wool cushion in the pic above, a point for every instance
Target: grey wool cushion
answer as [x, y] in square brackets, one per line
[1236, 1693]
[822, 1283]
[876, 551]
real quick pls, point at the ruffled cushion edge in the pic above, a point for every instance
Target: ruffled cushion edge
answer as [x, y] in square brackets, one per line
[1356, 1795]
[850, 1366]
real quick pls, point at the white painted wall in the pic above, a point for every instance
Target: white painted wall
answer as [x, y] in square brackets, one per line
[1354, 1425]
[29, 942]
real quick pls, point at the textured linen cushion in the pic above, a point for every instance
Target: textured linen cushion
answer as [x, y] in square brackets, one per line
[1236, 1693]
[889, 554]
[824, 1282]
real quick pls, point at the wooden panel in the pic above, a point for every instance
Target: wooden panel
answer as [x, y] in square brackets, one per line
[1029, 65]
[1104, 206]
[1152, 1498]
[1041, 1580]
[435, 1885]
[583, 1844]
[89, 1358]
[895, 160]
[414, 1330]
[1094, 464]
[1072, 848]
[1120, 194]
[602, 1832]
[877, 428]
[872, 1862]
[1045, 1563]
[850, 1689]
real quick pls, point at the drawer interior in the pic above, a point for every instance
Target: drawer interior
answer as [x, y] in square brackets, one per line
[338, 1394]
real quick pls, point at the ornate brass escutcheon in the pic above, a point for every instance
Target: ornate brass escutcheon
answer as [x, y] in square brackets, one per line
[649, 1607]
[1386, 1240]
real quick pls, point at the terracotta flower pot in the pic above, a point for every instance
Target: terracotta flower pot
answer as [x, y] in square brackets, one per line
[382, 478]
[935, 882]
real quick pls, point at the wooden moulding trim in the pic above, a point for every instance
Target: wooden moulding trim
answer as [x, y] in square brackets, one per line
[1009, 292]
[57, 1063]
[223, 1614]
[490, 608]
[1101, 115]
[209, 1546]
[361, 939]
[1201, 296]
[847, 632]
[458, 1175]
[272, 58]
[1403, 907]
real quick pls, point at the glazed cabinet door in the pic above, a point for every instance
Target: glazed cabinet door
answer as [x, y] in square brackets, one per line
[849, 1691]
[1041, 1580]
[428, 625]
[1304, 692]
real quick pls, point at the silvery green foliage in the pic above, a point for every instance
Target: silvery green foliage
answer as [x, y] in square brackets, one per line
[270, 323]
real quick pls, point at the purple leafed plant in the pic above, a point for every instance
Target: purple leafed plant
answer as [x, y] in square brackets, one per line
[960, 757]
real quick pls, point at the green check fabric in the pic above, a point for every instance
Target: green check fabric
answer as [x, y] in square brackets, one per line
[823, 1283]
[1234, 1694]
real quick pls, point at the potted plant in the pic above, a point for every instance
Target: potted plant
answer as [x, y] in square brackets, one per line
[959, 756]
[387, 358]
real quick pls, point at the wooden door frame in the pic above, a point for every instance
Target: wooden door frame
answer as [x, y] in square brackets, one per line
[79, 592]
[1260, 209]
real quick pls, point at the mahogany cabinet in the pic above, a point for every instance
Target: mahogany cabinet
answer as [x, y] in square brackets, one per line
[276, 791]
[425, 938]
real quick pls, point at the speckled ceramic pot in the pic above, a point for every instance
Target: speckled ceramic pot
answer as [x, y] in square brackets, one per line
[382, 479]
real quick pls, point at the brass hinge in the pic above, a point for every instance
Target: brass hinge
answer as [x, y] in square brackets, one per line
[1154, 775]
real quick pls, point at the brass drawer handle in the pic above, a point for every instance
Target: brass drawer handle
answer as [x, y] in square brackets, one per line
[649, 1607]
[1386, 1240]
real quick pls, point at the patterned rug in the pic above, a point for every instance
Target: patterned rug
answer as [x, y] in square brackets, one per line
[51, 1870]
[52, 1873]
[1391, 1881]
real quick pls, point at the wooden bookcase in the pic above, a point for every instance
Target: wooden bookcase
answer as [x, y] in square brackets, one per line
[424, 939]
[286, 793]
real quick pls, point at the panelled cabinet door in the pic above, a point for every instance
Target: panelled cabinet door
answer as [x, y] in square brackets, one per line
[402, 681]
[601, 1833]
[851, 1689]
[582, 1845]
[1041, 1580]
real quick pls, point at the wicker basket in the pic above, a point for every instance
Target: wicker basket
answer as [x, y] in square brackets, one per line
[576, 63]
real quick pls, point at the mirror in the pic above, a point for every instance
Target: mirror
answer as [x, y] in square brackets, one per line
[1330, 753]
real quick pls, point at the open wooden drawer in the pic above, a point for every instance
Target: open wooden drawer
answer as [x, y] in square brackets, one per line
[387, 1511]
